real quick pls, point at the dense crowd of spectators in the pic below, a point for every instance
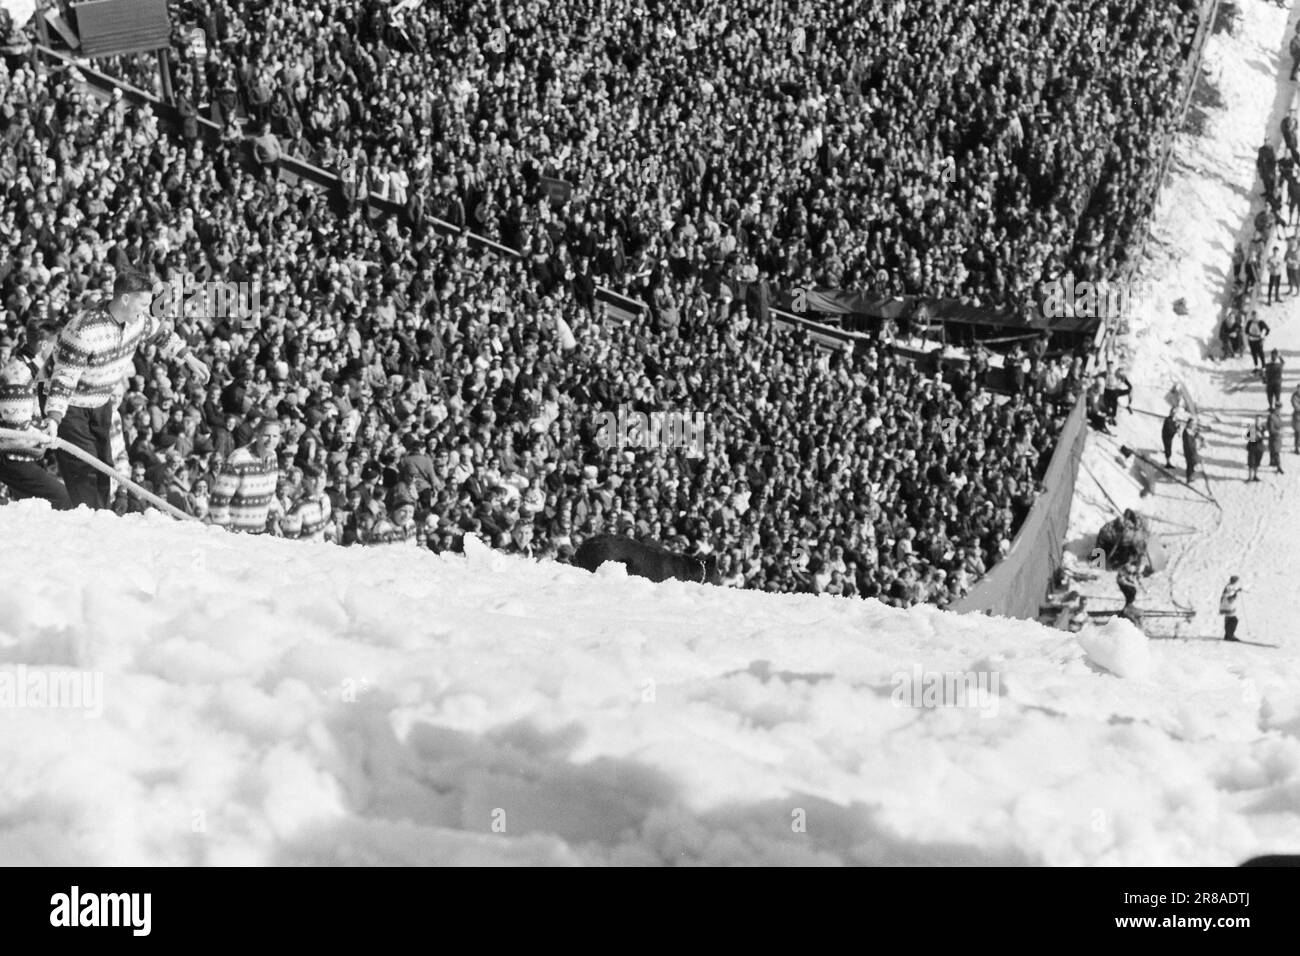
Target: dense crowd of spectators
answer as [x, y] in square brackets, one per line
[949, 148]
[438, 392]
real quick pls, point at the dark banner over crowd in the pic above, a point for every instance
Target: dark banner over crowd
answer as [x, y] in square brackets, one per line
[945, 311]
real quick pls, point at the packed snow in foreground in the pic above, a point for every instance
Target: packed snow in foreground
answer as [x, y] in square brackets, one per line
[230, 700]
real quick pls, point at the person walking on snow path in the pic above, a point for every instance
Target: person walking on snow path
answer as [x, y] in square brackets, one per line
[1254, 449]
[1275, 427]
[1256, 333]
[1228, 607]
[1273, 378]
[1192, 444]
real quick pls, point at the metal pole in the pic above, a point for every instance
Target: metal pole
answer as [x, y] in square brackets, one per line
[38, 439]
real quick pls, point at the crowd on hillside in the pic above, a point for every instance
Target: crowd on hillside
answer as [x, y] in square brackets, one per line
[951, 148]
[434, 392]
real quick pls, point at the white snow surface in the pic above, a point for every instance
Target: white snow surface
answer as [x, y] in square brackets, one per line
[1119, 647]
[273, 702]
[1207, 206]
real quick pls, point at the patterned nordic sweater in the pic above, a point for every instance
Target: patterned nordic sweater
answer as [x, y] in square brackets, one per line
[243, 498]
[95, 352]
[19, 406]
[386, 532]
[306, 520]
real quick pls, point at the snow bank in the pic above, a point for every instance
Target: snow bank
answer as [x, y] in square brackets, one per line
[1117, 646]
[262, 702]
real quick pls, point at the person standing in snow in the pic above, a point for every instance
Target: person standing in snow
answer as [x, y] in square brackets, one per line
[1275, 427]
[1117, 386]
[1254, 449]
[1230, 334]
[1128, 581]
[1079, 617]
[243, 498]
[96, 351]
[1169, 431]
[1274, 293]
[1266, 166]
[1097, 407]
[1192, 444]
[1256, 333]
[1295, 417]
[1228, 607]
[1273, 378]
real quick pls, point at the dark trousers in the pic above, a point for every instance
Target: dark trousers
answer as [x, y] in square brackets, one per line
[1130, 593]
[29, 479]
[1110, 399]
[1229, 627]
[1257, 352]
[88, 429]
[1275, 287]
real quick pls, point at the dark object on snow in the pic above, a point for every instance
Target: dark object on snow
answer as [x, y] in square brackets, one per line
[643, 559]
[1124, 539]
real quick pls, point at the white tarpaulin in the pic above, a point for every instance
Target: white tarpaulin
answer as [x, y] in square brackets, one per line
[21, 10]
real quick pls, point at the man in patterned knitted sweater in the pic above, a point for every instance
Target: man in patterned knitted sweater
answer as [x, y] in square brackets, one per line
[96, 350]
[20, 465]
[310, 514]
[243, 498]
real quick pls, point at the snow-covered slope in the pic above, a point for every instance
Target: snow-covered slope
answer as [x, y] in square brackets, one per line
[1207, 206]
[274, 702]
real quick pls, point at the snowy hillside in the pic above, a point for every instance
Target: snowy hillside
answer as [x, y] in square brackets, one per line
[274, 702]
[1207, 206]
